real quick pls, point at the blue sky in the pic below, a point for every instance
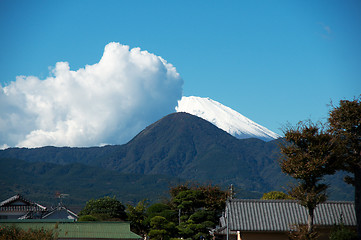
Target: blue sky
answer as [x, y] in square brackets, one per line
[272, 61]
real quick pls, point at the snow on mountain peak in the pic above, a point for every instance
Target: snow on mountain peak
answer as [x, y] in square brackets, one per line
[224, 118]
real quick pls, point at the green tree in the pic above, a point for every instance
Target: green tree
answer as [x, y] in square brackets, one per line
[190, 198]
[161, 228]
[88, 218]
[161, 221]
[161, 209]
[345, 128]
[340, 232]
[188, 201]
[137, 217]
[307, 157]
[198, 225]
[199, 209]
[105, 209]
[276, 195]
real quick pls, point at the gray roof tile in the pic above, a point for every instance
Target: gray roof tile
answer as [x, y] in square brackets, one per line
[280, 215]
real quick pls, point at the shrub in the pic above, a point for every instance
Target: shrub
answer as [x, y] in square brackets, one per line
[15, 233]
[340, 232]
[300, 232]
[87, 218]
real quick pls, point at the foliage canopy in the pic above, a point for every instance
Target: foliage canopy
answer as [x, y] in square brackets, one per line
[308, 156]
[105, 208]
[276, 195]
[345, 128]
[137, 217]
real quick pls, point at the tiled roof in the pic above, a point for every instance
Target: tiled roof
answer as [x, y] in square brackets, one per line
[60, 212]
[13, 199]
[35, 208]
[280, 215]
[7, 206]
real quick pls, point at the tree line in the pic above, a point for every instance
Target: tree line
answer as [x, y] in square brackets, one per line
[190, 213]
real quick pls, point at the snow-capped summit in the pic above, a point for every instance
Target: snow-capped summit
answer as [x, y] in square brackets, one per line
[225, 118]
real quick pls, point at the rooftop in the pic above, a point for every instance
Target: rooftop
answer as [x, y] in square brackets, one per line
[78, 230]
[281, 215]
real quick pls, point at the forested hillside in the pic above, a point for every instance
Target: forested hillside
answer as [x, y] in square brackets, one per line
[179, 146]
[39, 181]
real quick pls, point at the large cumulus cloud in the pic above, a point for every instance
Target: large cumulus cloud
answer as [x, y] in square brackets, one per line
[105, 103]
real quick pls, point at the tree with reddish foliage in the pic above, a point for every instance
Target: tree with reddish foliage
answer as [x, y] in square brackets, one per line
[345, 128]
[307, 157]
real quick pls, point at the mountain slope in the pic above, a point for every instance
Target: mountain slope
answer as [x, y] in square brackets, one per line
[188, 147]
[225, 118]
[180, 145]
[40, 180]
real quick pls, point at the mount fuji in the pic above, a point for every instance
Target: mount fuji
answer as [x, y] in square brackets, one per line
[224, 118]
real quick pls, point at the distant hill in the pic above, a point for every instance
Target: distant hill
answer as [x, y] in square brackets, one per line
[187, 147]
[39, 181]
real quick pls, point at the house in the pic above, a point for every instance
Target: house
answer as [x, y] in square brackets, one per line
[67, 229]
[60, 212]
[274, 219]
[17, 207]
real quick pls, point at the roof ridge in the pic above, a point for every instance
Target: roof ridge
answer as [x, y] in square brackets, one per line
[263, 200]
[287, 200]
[21, 197]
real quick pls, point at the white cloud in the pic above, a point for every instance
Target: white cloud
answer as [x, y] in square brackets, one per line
[108, 102]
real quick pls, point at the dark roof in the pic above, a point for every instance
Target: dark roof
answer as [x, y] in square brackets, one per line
[13, 204]
[60, 212]
[281, 215]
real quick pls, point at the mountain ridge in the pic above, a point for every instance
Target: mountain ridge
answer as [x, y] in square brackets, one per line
[187, 147]
[180, 145]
